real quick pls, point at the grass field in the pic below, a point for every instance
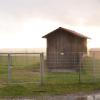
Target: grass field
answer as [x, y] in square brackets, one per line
[26, 69]
[47, 89]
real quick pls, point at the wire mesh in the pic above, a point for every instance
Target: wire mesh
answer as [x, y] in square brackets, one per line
[59, 68]
[73, 67]
[20, 68]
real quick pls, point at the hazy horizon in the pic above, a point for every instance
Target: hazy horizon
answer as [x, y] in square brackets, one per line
[32, 50]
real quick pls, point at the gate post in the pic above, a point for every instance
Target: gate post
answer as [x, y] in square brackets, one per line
[42, 68]
[9, 67]
[94, 64]
[80, 68]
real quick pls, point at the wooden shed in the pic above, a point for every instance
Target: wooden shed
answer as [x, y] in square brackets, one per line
[65, 49]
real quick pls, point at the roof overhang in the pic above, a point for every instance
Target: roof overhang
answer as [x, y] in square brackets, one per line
[67, 30]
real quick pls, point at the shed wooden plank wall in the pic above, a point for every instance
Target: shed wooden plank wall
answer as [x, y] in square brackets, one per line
[68, 44]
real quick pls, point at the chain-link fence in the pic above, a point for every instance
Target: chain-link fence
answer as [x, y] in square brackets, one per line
[21, 67]
[73, 67]
[90, 71]
[64, 68]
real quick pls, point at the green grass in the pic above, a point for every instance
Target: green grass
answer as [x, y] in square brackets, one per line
[54, 84]
[91, 69]
[26, 69]
[61, 78]
[47, 89]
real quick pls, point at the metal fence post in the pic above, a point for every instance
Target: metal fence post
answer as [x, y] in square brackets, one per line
[94, 64]
[9, 67]
[42, 68]
[80, 65]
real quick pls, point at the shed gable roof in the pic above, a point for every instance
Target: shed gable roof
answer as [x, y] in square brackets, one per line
[68, 31]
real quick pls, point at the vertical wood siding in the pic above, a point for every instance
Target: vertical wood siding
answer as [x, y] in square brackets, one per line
[61, 42]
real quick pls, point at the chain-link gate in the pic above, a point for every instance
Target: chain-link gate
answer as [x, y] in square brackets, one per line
[21, 67]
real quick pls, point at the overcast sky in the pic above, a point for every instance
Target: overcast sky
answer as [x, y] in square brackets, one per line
[24, 22]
